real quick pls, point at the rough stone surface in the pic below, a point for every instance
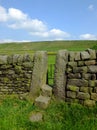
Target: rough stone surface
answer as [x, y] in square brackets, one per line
[42, 102]
[60, 77]
[92, 54]
[36, 117]
[39, 73]
[89, 103]
[77, 56]
[85, 55]
[94, 96]
[72, 88]
[82, 95]
[71, 94]
[78, 82]
[46, 90]
[92, 69]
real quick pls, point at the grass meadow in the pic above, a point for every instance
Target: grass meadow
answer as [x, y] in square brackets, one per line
[14, 113]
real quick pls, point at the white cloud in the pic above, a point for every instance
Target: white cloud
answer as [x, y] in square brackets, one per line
[88, 37]
[3, 14]
[16, 14]
[11, 40]
[91, 7]
[16, 19]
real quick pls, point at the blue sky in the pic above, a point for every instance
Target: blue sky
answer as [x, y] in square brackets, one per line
[43, 20]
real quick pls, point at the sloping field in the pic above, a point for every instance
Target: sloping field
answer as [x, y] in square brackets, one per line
[50, 46]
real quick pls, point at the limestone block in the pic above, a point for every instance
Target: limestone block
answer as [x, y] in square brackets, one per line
[3, 59]
[42, 102]
[92, 53]
[94, 96]
[82, 95]
[86, 76]
[92, 69]
[46, 90]
[71, 94]
[91, 83]
[74, 76]
[15, 58]
[84, 89]
[36, 116]
[71, 56]
[85, 55]
[72, 64]
[90, 62]
[89, 103]
[72, 88]
[77, 56]
[78, 82]
[80, 69]
[81, 63]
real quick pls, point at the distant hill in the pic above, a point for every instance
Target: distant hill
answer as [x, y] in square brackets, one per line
[50, 46]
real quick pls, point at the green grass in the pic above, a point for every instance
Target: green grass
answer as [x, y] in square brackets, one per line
[14, 115]
[50, 46]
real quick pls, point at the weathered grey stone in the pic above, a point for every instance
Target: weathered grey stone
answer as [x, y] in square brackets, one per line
[92, 69]
[77, 56]
[39, 73]
[71, 94]
[74, 76]
[10, 59]
[36, 117]
[94, 96]
[81, 63]
[42, 102]
[71, 56]
[69, 70]
[60, 76]
[72, 88]
[93, 76]
[95, 89]
[84, 89]
[91, 83]
[80, 69]
[46, 90]
[78, 82]
[92, 53]
[82, 95]
[3, 59]
[89, 103]
[85, 55]
[86, 76]
[90, 62]
[26, 58]
[28, 65]
[15, 58]
[72, 64]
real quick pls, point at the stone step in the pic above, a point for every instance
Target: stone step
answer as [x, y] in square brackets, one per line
[46, 90]
[42, 101]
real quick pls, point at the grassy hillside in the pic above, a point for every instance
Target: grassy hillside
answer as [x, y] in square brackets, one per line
[50, 46]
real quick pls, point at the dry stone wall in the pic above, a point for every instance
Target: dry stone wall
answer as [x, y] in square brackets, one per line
[20, 74]
[15, 73]
[76, 77]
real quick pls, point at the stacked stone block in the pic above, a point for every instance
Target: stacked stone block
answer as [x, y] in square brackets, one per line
[15, 73]
[81, 78]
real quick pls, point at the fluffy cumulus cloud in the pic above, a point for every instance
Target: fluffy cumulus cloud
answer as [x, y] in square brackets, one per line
[88, 37]
[16, 19]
